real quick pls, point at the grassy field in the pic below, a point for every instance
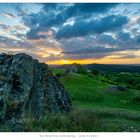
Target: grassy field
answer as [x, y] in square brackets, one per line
[88, 92]
[115, 110]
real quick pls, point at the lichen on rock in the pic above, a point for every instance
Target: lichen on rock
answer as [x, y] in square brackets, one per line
[29, 87]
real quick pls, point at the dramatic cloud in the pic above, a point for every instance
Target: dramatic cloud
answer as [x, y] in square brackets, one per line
[82, 28]
[90, 8]
[21, 12]
[75, 9]
[8, 15]
[57, 14]
[123, 36]
[58, 33]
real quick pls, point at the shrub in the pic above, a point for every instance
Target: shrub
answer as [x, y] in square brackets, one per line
[81, 69]
[136, 99]
[95, 72]
[58, 75]
[138, 86]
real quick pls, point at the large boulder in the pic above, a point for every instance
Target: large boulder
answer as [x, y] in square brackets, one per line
[27, 87]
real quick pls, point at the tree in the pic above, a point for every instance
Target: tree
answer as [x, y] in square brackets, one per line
[81, 69]
[95, 72]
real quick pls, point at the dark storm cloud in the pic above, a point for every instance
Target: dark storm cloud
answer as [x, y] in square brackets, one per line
[73, 10]
[97, 52]
[41, 22]
[107, 39]
[123, 36]
[50, 6]
[137, 38]
[54, 15]
[98, 46]
[89, 8]
[20, 12]
[86, 56]
[34, 34]
[82, 28]
[79, 8]
[91, 50]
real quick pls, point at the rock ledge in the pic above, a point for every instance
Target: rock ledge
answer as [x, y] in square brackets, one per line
[28, 87]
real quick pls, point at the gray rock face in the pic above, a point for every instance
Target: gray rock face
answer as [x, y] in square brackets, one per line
[27, 87]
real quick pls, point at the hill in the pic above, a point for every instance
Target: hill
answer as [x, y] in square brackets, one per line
[102, 67]
[116, 109]
[74, 68]
[113, 67]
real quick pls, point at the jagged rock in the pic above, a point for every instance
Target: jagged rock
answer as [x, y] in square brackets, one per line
[27, 87]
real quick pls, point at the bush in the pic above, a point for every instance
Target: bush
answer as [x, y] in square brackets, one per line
[95, 72]
[136, 100]
[138, 86]
[90, 75]
[81, 69]
[58, 75]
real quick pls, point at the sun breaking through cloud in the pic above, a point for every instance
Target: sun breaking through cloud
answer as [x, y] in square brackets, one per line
[72, 33]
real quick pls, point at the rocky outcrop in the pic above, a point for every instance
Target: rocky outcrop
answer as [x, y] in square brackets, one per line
[27, 87]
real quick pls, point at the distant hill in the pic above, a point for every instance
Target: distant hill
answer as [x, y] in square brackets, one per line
[74, 68]
[103, 67]
[113, 67]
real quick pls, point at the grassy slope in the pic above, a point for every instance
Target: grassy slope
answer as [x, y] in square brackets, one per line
[92, 93]
[57, 70]
[115, 109]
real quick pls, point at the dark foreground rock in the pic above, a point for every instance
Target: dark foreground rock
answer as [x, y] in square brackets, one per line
[27, 87]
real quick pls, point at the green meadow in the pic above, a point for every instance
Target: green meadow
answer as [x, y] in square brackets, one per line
[114, 110]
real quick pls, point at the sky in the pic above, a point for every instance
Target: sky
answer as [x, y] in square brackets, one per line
[65, 33]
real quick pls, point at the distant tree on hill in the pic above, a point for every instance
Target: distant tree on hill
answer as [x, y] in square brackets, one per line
[95, 72]
[58, 75]
[81, 69]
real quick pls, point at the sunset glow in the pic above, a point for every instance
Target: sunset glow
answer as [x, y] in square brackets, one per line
[72, 33]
